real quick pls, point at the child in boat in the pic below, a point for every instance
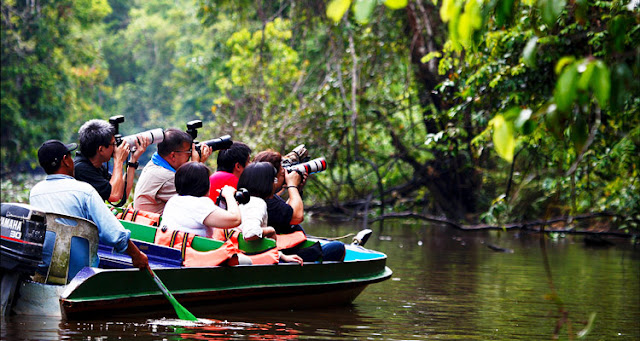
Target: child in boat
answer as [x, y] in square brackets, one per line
[192, 210]
[259, 180]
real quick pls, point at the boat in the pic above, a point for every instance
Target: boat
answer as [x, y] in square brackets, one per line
[115, 288]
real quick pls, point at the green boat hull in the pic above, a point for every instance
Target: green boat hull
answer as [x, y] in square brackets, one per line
[109, 292]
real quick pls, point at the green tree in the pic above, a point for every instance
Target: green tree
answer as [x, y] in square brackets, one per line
[49, 72]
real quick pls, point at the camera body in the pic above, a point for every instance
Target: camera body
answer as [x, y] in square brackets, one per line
[154, 135]
[222, 142]
[242, 197]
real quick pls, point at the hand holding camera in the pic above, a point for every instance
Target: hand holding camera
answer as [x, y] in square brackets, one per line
[141, 144]
[292, 178]
[241, 196]
[120, 152]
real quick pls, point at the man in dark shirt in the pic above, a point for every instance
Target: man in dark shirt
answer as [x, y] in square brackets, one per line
[285, 216]
[98, 146]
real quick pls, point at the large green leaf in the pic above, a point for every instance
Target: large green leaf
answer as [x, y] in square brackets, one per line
[586, 71]
[523, 123]
[600, 83]
[530, 51]
[504, 140]
[396, 4]
[362, 10]
[337, 8]
[566, 92]
[449, 10]
[550, 10]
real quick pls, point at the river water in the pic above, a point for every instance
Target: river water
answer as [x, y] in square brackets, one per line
[447, 285]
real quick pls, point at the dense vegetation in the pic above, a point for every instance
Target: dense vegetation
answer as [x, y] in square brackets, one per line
[492, 110]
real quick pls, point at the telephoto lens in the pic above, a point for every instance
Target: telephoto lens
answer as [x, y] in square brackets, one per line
[154, 136]
[310, 167]
[222, 142]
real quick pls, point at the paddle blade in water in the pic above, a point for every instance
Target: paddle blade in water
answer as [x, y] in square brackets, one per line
[181, 311]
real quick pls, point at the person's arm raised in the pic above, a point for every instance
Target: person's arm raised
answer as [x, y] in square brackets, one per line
[293, 179]
[141, 146]
[117, 179]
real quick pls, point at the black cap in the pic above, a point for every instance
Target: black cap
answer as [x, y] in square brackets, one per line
[51, 153]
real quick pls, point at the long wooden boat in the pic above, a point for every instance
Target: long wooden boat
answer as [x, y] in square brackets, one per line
[115, 288]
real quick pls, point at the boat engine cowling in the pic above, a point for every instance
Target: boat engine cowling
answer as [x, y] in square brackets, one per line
[23, 230]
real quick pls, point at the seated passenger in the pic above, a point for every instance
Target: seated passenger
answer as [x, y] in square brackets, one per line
[61, 193]
[98, 146]
[285, 216]
[157, 181]
[192, 210]
[258, 179]
[231, 163]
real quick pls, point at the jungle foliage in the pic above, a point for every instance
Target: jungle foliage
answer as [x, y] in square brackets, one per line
[490, 110]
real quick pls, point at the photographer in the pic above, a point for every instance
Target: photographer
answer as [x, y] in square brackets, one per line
[284, 214]
[231, 164]
[157, 181]
[98, 146]
[285, 217]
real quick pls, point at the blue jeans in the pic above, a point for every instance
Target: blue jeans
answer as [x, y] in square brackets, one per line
[333, 251]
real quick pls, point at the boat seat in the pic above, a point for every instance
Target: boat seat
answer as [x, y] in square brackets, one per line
[67, 228]
[159, 256]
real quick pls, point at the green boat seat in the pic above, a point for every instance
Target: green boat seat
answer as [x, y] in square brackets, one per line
[70, 230]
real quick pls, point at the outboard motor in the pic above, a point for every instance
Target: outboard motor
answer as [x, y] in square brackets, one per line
[23, 230]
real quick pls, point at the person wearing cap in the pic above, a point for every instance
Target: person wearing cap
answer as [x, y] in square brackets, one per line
[61, 193]
[156, 184]
[231, 163]
[97, 147]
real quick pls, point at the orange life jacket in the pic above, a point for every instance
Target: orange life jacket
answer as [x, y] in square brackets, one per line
[271, 256]
[140, 217]
[289, 240]
[194, 258]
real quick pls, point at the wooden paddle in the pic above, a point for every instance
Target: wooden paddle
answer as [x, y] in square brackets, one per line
[182, 312]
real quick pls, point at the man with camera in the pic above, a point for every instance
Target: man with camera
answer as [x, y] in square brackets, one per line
[97, 146]
[231, 163]
[157, 181]
[61, 193]
[285, 216]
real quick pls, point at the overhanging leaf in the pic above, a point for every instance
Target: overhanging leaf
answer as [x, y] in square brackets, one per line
[362, 10]
[337, 8]
[396, 4]
[530, 51]
[585, 76]
[600, 83]
[566, 92]
[449, 10]
[503, 139]
[564, 61]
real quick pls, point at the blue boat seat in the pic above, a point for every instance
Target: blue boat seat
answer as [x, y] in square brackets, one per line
[159, 256]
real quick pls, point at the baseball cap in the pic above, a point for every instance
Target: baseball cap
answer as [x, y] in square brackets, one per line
[51, 153]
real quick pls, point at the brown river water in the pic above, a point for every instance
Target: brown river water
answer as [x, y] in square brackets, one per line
[447, 285]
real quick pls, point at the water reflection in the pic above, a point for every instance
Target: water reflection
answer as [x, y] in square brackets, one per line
[447, 284]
